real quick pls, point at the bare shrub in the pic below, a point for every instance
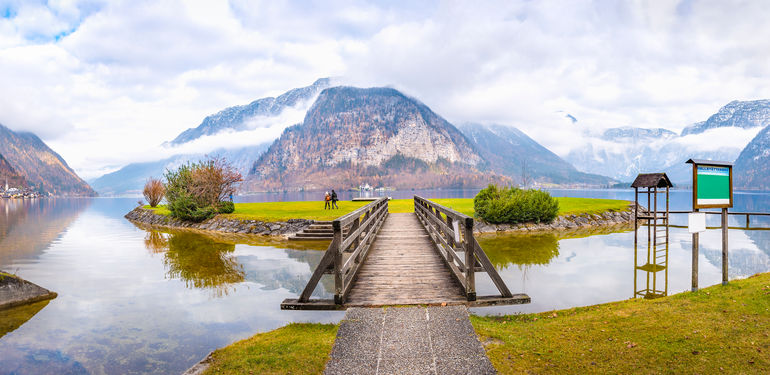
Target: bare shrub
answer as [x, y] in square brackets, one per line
[213, 181]
[154, 191]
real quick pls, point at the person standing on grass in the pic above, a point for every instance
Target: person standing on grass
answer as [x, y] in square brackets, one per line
[327, 200]
[334, 199]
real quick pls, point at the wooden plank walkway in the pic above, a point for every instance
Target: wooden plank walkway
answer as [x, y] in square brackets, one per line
[403, 268]
[426, 257]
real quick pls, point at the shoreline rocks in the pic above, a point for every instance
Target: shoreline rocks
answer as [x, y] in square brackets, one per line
[15, 291]
[221, 224]
[562, 223]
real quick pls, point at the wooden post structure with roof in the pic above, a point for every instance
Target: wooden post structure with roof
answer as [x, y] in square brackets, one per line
[652, 184]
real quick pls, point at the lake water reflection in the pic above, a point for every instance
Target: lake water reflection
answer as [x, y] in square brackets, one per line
[137, 299]
[133, 300]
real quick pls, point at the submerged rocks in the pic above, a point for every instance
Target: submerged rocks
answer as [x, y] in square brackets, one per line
[221, 224]
[608, 218]
[15, 291]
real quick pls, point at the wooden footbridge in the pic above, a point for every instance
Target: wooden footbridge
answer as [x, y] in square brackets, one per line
[428, 257]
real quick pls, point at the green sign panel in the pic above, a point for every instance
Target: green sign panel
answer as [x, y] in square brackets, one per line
[713, 186]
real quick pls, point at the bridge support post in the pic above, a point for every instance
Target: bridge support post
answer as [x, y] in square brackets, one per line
[337, 262]
[470, 261]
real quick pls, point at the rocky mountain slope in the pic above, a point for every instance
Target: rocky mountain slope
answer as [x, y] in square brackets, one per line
[238, 117]
[752, 168]
[9, 176]
[264, 112]
[41, 167]
[378, 136]
[512, 153]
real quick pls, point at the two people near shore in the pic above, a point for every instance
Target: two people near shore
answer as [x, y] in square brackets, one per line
[330, 200]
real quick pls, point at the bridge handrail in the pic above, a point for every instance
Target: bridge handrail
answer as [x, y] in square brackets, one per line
[454, 234]
[363, 225]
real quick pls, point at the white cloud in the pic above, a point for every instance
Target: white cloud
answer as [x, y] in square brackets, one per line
[105, 83]
[718, 139]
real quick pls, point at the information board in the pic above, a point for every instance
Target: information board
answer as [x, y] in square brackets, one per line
[712, 186]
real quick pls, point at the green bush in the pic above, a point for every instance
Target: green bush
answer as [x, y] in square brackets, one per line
[196, 191]
[510, 205]
[184, 207]
[226, 207]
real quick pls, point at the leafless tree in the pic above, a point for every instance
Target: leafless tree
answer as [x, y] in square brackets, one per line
[154, 191]
[214, 180]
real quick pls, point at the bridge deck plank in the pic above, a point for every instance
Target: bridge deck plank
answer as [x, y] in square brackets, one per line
[403, 268]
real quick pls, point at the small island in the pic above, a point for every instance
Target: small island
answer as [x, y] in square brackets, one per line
[288, 218]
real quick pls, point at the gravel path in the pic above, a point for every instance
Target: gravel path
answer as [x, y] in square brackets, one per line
[408, 340]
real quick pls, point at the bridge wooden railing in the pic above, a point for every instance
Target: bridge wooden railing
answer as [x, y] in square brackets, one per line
[345, 254]
[452, 233]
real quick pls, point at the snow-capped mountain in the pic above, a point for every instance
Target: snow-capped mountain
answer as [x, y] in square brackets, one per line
[242, 117]
[752, 169]
[622, 153]
[736, 114]
[511, 152]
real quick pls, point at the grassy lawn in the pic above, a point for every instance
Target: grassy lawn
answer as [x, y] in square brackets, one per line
[282, 211]
[567, 206]
[577, 206]
[298, 348]
[718, 329]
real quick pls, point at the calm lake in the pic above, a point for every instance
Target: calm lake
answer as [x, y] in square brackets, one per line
[133, 300]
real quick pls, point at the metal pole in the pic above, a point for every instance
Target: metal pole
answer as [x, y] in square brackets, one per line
[636, 267]
[724, 246]
[695, 259]
[665, 292]
[636, 211]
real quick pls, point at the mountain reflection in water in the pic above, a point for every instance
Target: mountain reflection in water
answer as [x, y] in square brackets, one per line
[29, 226]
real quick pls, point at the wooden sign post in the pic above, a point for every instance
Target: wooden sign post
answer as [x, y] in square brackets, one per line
[712, 187]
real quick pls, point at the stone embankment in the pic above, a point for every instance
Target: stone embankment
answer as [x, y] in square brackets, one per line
[221, 224]
[561, 223]
[15, 291]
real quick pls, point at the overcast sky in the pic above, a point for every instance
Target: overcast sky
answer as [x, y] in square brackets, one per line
[105, 84]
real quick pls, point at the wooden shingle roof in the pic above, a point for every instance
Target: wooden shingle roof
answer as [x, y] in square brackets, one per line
[652, 180]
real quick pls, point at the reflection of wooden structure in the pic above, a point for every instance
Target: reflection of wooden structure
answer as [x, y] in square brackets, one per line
[650, 287]
[380, 259]
[652, 184]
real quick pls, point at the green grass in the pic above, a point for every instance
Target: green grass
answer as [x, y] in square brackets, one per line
[298, 348]
[718, 329]
[313, 210]
[579, 206]
[461, 205]
[282, 211]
